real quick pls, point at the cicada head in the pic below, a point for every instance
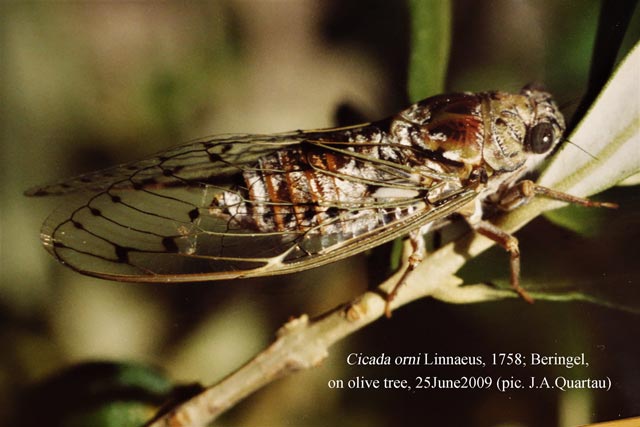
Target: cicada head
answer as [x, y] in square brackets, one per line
[520, 129]
[547, 125]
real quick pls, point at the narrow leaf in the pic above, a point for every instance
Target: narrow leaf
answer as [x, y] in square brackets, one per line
[430, 43]
[610, 132]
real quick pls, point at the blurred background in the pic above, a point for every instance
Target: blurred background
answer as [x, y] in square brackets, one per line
[85, 85]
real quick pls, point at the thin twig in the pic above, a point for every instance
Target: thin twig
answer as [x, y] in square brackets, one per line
[303, 343]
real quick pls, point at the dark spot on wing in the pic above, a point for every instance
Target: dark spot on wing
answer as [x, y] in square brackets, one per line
[122, 253]
[194, 214]
[148, 182]
[170, 244]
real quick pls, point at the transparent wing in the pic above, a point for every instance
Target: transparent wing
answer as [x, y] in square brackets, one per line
[191, 163]
[193, 213]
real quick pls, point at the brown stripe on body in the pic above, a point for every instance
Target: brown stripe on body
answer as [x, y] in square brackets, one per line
[333, 165]
[290, 192]
[275, 192]
[298, 188]
[325, 184]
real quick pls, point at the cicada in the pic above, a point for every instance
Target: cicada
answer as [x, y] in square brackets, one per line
[238, 206]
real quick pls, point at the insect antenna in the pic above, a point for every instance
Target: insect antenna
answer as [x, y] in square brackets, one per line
[572, 104]
[580, 148]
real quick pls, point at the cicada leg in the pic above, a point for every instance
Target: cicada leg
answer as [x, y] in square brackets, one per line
[510, 244]
[419, 251]
[526, 190]
[516, 196]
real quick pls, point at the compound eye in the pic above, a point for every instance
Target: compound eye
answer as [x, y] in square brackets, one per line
[540, 138]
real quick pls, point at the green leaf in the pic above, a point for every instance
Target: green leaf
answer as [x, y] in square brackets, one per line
[586, 222]
[612, 24]
[609, 133]
[430, 43]
[100, 394]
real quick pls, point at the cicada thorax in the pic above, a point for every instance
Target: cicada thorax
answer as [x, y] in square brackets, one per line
[449, 125]
[496, 134]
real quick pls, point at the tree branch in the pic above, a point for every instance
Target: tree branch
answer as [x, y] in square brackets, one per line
[303, 343]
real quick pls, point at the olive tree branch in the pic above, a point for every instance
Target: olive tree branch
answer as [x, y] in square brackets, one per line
[303, 343]
[610, 133]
